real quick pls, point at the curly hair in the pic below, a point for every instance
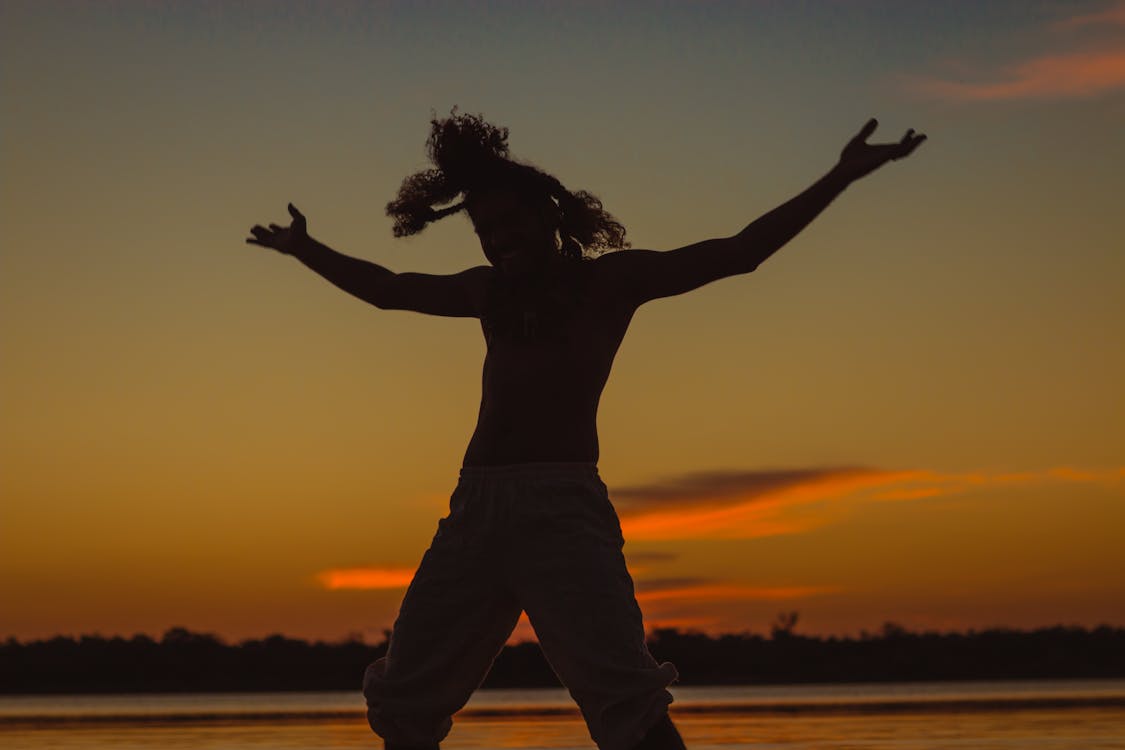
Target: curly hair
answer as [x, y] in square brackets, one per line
[470, 155]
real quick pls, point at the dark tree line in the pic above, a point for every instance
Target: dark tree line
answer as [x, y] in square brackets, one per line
[185, 661]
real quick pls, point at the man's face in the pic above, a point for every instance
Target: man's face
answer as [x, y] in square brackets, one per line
[515, 233]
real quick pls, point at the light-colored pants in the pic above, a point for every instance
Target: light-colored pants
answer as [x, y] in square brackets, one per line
[540, 537]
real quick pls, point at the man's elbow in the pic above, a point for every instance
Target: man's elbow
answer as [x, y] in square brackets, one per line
[743, 256]
[733, 257]
[383, 292]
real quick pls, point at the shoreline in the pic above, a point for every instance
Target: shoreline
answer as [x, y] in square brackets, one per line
[684, 706]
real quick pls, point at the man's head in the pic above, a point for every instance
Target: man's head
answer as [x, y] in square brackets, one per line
[519, 208]
[518, 231]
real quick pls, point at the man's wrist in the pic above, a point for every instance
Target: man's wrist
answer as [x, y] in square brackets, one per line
[838, 178]
[304, 246]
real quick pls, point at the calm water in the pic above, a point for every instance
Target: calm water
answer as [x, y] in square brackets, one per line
[1083, 715]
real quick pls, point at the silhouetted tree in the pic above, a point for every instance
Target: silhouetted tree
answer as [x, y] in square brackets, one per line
[783, 625]
[185, 661]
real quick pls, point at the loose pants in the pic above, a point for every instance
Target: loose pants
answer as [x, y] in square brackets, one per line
[542, 538]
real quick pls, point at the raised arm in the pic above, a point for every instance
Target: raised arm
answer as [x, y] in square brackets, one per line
[456, 295]
[646, 274]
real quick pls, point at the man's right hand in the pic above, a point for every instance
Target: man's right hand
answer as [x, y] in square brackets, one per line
[860, 157]
[287, 240]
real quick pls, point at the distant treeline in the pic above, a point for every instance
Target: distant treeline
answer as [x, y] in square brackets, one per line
[185, 661]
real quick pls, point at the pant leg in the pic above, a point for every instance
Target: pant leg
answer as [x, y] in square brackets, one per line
[572, 580]
[454, 620]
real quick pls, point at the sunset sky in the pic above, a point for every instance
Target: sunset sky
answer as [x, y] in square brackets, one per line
[913, 412]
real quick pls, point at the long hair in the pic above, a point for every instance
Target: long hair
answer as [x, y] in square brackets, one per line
[470, 155]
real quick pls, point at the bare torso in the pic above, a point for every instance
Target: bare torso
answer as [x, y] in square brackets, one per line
[539, 395]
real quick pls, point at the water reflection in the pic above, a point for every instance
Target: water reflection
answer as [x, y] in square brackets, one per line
[1088, 729]
[792, 717]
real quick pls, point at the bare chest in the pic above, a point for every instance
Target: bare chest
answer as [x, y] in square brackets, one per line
[564, 355]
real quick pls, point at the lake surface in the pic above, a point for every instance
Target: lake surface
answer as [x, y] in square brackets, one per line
[1030, 715]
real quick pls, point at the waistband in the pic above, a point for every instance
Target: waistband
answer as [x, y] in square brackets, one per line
[533, 470]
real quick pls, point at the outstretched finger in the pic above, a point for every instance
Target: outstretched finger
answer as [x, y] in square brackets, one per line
[906, 138]
[866, 131]
[294, 212]
[906, 146]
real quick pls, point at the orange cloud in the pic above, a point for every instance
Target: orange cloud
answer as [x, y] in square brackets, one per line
[1114, 15]
[1077, 475]
[732, 523]
[1094, 64]
[748, 504]
[741, 504]
[366, 578]
[1051, 76]
[910, 494]
[717, 486]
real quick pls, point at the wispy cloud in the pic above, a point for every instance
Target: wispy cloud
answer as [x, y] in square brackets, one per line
[1093, 64]
[1052, 76]
[740, 504]
[366, 578]
[1114, 15]
[716, 487]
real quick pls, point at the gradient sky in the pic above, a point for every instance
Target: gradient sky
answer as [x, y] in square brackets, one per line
[912, 412]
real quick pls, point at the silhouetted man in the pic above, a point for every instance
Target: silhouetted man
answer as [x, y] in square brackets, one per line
[531, 526]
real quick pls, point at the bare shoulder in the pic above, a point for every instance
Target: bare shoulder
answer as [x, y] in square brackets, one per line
[619, 261]
[620, 273]
[643, 275]
[476, 277]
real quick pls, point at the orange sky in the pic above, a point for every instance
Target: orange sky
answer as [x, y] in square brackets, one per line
[913, 412]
